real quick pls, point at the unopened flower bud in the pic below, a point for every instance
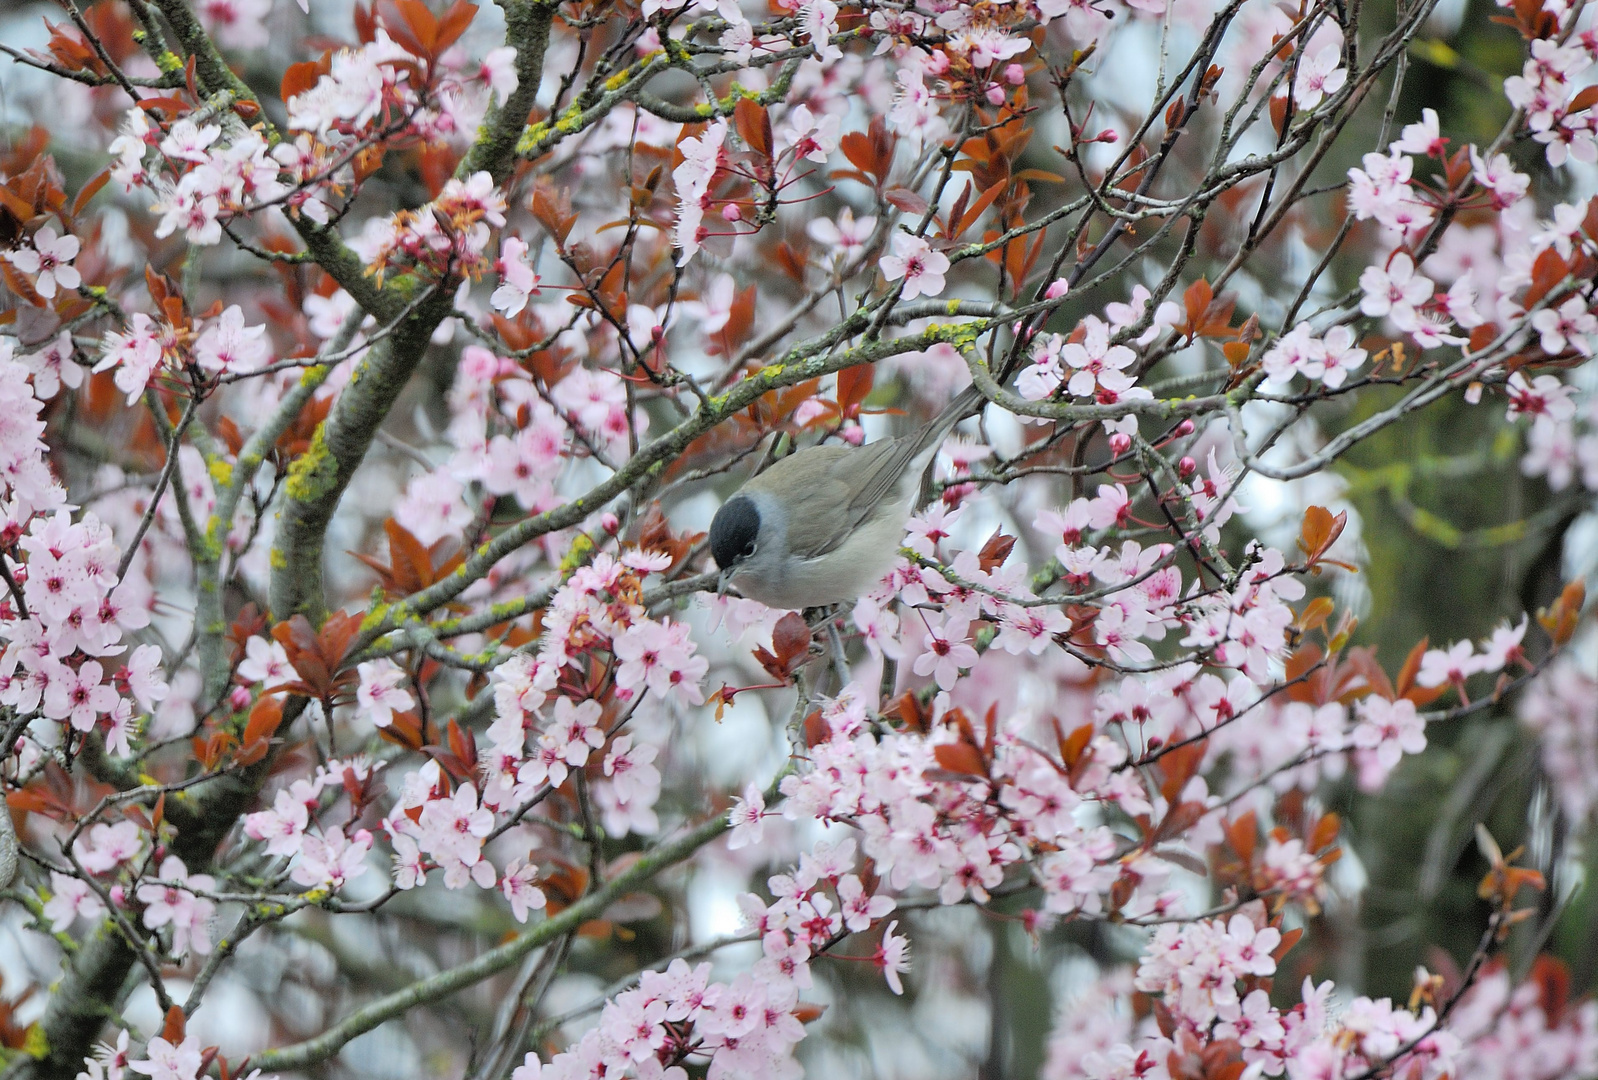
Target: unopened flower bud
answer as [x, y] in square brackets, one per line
[1015, 74]
[995, 95]
[239, 698]
[1108, 135]
[1186, 467]
[1057, 288]
[118, 895]
[730, 212]
[1120, 443]
[1183, 430]
[610, 523]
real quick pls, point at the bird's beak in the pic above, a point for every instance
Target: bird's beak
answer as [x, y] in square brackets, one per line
[722, 581]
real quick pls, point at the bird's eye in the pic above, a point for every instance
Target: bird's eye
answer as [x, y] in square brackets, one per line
[749, 549]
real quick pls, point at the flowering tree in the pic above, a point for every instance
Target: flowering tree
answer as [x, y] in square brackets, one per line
[370, 374]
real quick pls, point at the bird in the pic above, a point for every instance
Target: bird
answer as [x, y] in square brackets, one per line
[824, 524]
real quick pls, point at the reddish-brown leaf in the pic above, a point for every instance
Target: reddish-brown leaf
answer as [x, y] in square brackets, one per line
[1324, 835]
[1319, 532]
[88, 191]
[906, 200]
[1289, 939]
[995, 551]
[264, 720]
[298, 78]
[1072, 745]
[1407, 673]
[405, 729]
[854, 386]
[463, 743]
[172, 1030]
[754, 126]
[970, 216]
[412, 25]
[961, 758]
[453, 24]
[915, 716]
[1560, 618]
[1546, 274]
[1243, 835]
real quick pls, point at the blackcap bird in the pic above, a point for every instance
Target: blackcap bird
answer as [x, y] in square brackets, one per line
[822, 525]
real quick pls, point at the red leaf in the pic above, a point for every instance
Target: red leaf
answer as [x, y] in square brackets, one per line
[172, 1030]
[1406, 674]
[463, 744]
[298, 78]
[1243, 835]
[854, 386]
[969, 217]
[87, 192]
[906, 200]
[961, 758]
[1546, 273]
[995, 551]
[790, 640]
[454, 23]
[754, 125]
[1319, 532]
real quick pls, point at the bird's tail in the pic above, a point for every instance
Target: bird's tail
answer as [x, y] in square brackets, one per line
[966, 403]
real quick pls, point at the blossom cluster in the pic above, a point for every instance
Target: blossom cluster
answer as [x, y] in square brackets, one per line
[751, 1024]
[69, 607]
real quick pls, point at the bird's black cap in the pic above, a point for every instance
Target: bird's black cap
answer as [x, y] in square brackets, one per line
[734, 530]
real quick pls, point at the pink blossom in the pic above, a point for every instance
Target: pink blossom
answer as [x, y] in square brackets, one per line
[914, 260]
[382, 691]
[330, 861]
[79, 697]
[520, 888]
[859, 908]
[660, 657]
[70, 899]
[452, 831]
[1424, 137]
[1319, 76]
[135, 355]
[946, 652]
[104, 847]
[893, 957]
[1453, 665]
[1390, 728]
[266, 662]
[1545, 399]
[50, 259]
[168, 1062]
[171, 901]
[1569, 326]
[517, 279]
[747, 818]
[1395, 291]
[228, 345]
[633, 776]
[283, 826]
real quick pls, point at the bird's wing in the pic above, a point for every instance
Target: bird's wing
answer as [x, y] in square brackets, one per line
[895, 457]
[848, 482]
